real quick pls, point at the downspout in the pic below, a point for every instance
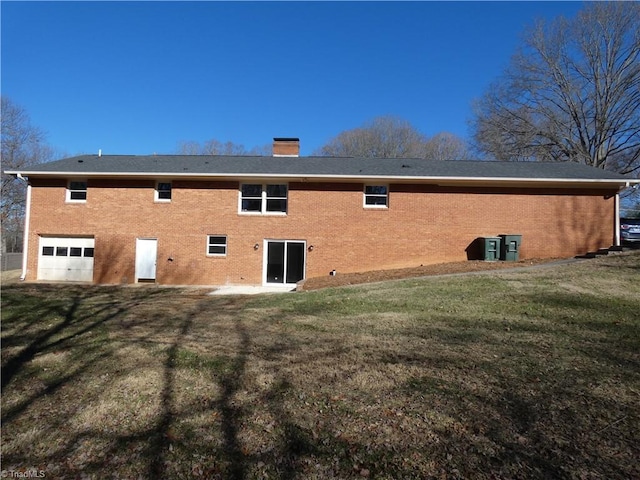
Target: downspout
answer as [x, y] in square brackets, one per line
[25, 240]
[617, 214]
[617, 220]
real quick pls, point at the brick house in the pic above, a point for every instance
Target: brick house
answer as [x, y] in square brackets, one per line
[214, 220]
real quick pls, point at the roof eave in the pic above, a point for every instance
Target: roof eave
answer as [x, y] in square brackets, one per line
[433, 180]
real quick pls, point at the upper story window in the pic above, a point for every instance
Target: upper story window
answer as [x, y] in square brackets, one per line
[77, 191]
[376, 196]
[263, 198]
[163, 192]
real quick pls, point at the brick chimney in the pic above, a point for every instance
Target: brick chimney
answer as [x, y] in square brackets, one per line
[286, 147]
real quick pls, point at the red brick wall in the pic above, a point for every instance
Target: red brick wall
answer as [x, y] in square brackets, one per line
[286, 147]
[423, 224]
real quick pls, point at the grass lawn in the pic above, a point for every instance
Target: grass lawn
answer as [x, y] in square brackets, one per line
[534, 374]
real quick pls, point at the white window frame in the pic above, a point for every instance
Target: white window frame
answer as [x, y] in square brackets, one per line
[157, 191]
[264, 198]
[71, 191]
[210, 244]
[366, 195]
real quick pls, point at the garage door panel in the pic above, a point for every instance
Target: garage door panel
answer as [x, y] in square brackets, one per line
[66, 259]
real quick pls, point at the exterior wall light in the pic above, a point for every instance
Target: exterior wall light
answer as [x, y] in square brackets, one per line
[310, 248]
[256, 246]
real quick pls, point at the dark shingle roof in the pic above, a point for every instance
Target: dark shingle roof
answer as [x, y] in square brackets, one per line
[316, 167]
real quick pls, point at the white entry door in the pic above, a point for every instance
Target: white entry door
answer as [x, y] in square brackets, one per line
[146, 259]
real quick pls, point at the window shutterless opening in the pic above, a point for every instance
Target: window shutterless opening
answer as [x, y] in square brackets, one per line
[263, 198]
[163, 192]
[77, 191]
[376, 196]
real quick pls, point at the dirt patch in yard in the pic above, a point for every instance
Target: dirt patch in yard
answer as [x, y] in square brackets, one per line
[340, 279]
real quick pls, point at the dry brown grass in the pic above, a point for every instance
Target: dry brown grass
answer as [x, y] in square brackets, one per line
[511, 375]
[10, 277]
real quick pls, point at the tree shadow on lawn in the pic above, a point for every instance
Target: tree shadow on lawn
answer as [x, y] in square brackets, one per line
[532, 430]
[61, 326]
[230, 381]
[533, 427]
[292, 448]
[72, 322]
[537, 402]
[65, 321]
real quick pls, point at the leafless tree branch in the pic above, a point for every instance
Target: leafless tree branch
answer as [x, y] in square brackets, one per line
[571, 93]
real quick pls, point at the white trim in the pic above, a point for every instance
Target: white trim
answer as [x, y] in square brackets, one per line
[435, 180]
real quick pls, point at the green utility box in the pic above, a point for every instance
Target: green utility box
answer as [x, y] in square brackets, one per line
[510, 247]
[490, 249]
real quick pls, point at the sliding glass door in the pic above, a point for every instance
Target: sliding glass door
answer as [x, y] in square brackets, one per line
[284, 260]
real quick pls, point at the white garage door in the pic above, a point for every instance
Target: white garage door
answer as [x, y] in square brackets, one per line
[66, 259]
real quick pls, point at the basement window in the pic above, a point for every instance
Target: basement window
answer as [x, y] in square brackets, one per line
[163, 192]
[263, 198]
[216, 245]
[77, 191]
[376, 196]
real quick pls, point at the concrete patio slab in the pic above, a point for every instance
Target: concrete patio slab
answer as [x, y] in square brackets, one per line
[249, 290]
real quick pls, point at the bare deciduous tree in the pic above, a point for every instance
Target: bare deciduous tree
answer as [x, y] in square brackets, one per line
[572, 93]
[188, 147]
[383, 137]
[446, 146]
[216, 147]
[392, 137]
[22, 145]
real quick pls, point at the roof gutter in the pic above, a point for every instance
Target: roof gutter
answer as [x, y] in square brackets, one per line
[436, 180]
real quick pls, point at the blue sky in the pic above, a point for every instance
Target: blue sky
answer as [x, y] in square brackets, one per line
[140, 77]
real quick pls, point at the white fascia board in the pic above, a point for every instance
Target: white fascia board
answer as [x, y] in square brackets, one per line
[442, 181]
